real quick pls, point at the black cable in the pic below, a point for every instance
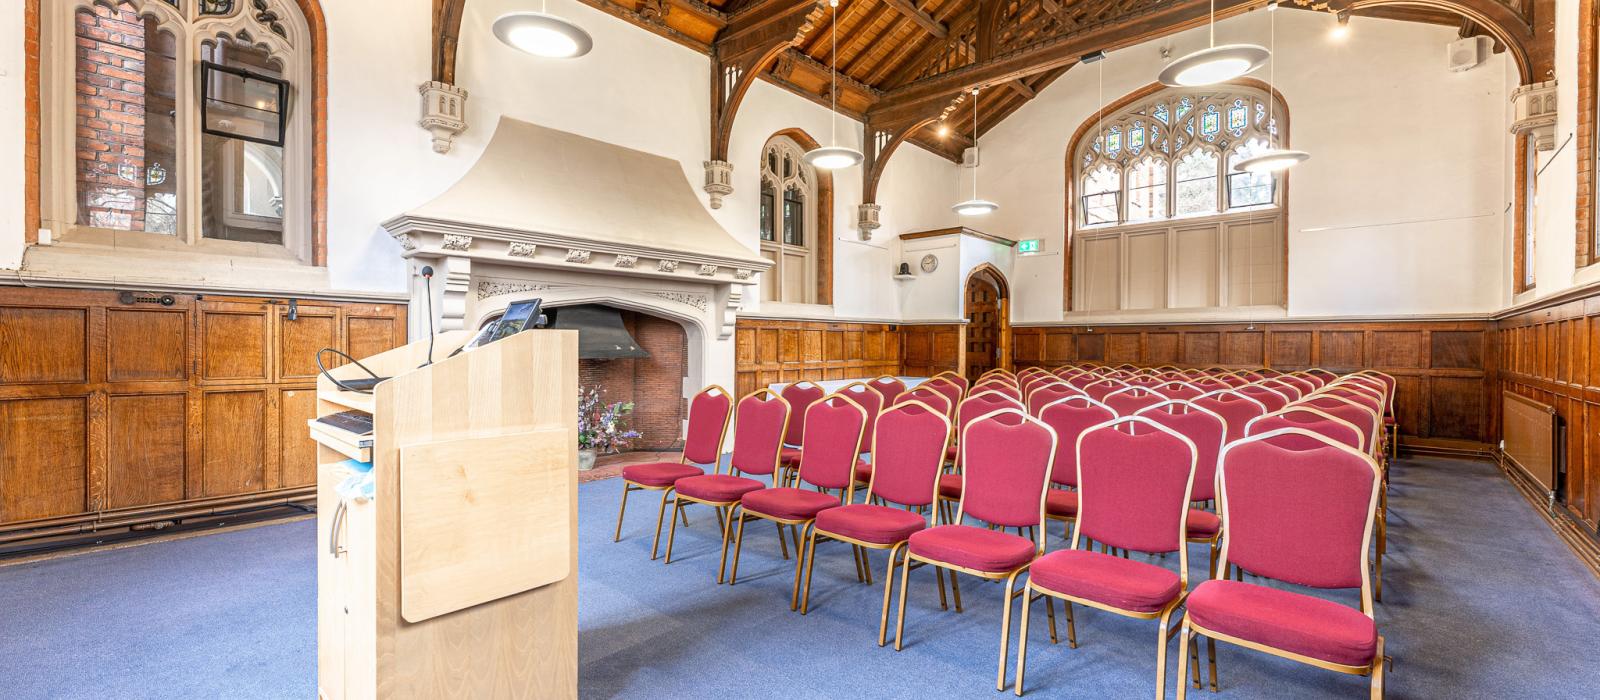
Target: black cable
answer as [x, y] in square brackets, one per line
[324, 370]
[427, 287]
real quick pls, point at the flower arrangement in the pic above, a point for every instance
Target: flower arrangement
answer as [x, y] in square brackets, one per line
[603, 426]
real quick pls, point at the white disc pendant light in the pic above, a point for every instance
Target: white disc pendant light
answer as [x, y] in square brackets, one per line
[833, 156]
[1272, 160]
[1215, 64]
[542, 34]
[977, 206]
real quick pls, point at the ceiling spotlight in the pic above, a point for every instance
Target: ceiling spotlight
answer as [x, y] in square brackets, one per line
[1341, 30]
[944, 130]
[1271, 161]
[543, 35]
[833, 157]
[1214, 64]
[975, 207]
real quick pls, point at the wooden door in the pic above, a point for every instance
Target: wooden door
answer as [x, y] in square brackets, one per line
[983, 327]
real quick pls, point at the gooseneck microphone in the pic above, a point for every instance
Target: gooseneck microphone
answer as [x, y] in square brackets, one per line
[427, 287]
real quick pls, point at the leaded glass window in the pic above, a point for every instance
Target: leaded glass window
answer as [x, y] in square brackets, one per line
[788, 202]
[1195, 183]
[1100, 193]
[1249, 189]
[1147, 189]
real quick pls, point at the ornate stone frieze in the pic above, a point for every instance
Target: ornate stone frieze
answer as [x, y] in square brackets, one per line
[743, 275]
[627, 261]
[522, 250]
[698, 301]
[456, 242]
[492, 288]
[666, 266]
[707, 270]
[578, 256]
[867, 218]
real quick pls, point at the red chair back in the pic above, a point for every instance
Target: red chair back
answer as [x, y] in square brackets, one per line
[1308, 419]
[1359, 393]
[889, 386]
[1129, 401]
[1235, 408]
[1362, 417]
[1048, 394]
[1299, 515]
[1069, 417]
[1266, 395]
[1179, 390]
[908, 453]
[1134, 478]
[979, 405]
[997, 388]
[955, 379]
[709, 412]
[1208, 431]
[760, 421]
[1288, 389]
[1098, 389]
[1007, 458]
[1233, 381]
[800, 396]
[870, 401]
[930, 396]
[834, 424]
[952, 392]
[1299, 381]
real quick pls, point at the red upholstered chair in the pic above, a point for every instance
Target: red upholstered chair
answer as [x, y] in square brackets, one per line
[1233, 381]
[1234, 407]
[908, 451]
[800, 396]
[760, 420]
[1069, 417]
[1130, 400]
[1207, 431]
[1034, 381]
[709, 412]
[1322, 374]
[1304, 517]
[1305, 384]
[1047, 394]
[1269, 397]
[1134, 486]
[1006, 457]
[1391, 425]
[1179, 390]
[1008, 389]
[1084, 379]
[956, 379]
[1099, 389]
[1289, 389]
[999, 372]
[1146, 381]
[834, 426]
[1207, 385]
[1361, 416]
[1268, 373]
[872, 402]
[1250, 375]
[1309, 419]
[930, 396]
[952, 391]
[973, 407]
[889, 386]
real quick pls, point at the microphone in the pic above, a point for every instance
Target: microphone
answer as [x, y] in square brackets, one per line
[427, 286]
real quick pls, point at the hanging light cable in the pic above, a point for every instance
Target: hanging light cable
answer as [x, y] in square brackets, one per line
[542, 34]
[977, 206]
[833, 156]
[1214, 64]
[1273, 159]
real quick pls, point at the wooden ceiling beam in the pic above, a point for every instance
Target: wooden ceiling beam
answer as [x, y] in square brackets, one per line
[923, 19]
[932, 51]
[446, 33]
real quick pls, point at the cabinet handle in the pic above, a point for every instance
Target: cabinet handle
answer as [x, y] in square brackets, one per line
[333, 532]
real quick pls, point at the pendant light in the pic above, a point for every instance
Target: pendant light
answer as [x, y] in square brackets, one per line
[833, 156]
[1273, 159]
[542, 34]
[977, 206]
[1215, 64]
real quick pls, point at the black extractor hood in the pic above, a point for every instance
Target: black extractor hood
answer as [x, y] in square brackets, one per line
[601, 335]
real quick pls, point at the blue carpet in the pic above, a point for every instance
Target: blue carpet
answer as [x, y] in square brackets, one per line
[1481, 601]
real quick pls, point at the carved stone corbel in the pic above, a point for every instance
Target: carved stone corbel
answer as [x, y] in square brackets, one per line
[444, 113]
[454, 276]
[867, 218]
[719, 181]
[1534, 112]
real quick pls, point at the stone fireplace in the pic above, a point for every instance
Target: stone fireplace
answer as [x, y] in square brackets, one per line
[571, 220]
[654, 384]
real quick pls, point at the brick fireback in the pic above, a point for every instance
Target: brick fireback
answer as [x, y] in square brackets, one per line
[653, 384]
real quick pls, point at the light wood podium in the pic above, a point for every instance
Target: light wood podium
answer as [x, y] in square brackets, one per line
[458, 579]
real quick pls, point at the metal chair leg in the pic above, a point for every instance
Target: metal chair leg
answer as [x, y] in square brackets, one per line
[620, 510]
[1022, 642]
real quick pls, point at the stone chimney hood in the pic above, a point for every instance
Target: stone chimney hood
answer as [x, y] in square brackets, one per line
[539, 197]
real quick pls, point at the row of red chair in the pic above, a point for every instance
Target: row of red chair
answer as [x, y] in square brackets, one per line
[989, 480]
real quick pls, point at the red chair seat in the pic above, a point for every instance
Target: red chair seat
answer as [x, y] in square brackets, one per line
[950, 485]
[971, 547]
[863, 471]
[789, 455]
[659, 474]
[788, 503]
[1389, 420]
[718, 488]
[1203, 524]
[1120, 583]
[951, 451]
[870, 523]
[1295, 622]
[1061, 503]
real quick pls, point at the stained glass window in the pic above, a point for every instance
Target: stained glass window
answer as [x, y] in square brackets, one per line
[1147, 190]
[1237, 117]
[1195, 188]
[1161, 113]
[789, 220]
[216, 7]
[1114, 141]
[1184, 106]
[1210, 122]
[1100, 193]
[1136, 138]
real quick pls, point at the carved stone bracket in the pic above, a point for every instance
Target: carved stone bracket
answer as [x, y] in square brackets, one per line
[730, 312]
[444, 113]
[457, 275]
[867, 218]
[627, 261]
[668, 266]
[707, 271]
[578, 256]
[522, 250]
[719, 181]
[456, 242]
[1534, 110]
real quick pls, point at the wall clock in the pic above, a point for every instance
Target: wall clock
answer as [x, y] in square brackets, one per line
[930, 262]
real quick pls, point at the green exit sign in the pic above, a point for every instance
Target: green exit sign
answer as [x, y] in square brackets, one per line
[1032, 245]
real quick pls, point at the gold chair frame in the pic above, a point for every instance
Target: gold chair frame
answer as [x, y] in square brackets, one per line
[666, 491]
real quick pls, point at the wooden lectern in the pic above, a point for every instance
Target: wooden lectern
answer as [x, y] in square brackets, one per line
[459, 578]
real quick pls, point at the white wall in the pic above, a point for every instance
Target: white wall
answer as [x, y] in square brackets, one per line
[1398, 212]
[12, 135]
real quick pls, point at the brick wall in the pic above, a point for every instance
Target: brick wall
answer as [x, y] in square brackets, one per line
[654, 384]
[111, 117]
[1588, 34]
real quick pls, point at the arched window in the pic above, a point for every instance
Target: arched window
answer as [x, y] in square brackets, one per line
[1163, 219]
[789, 217]
[184, 119]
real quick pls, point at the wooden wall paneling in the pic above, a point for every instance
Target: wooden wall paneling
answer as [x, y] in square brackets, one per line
[147, 344]
[1202, 348]
[43, 457]
[1161, 349]
[145, 448]
[1291, 349]
[235, 341]
[315, 327]
[1244, 348]
[44, 345]
[233, 451]
[1090, 347]
[1122, 347]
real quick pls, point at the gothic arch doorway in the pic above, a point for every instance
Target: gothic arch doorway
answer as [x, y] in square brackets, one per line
[988, 313]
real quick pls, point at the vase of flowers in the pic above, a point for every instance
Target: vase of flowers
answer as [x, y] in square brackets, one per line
[602, 426]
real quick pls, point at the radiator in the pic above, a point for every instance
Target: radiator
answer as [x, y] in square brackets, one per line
[1531, 440]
